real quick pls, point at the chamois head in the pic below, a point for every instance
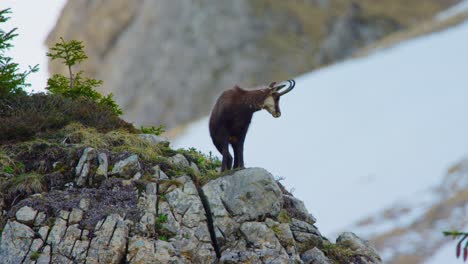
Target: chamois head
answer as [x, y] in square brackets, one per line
[271, 103]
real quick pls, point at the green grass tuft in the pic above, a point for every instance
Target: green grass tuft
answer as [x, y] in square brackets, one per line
[35, 255]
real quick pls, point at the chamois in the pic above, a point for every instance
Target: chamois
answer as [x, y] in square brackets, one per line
[232, 113]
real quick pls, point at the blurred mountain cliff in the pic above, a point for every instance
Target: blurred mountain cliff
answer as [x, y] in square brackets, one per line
[166, 61]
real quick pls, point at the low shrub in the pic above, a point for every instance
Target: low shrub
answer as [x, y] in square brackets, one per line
[22, 117]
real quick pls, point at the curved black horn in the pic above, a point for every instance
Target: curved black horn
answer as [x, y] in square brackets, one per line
[292, 83]
[276, 88]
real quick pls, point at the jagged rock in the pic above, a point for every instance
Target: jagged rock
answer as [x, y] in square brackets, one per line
[63, 250]
[108, 245]
[350, 240]
[263, 242]
[148, 204]
[195, 168]
[15, 242]
[84, 204]
[301, 226]
[80, 250]
[84, 165]
[235, 200]
[43, 232]
[186, 219]
[285, 236]
[85, 234]
[234, 257]
[150, 198]
[153, 138]
[57, 232]
[296, 209]
[159, 174]
[26, 215]
[137, 176]
[141, 250]
[305, 234]
[165, 252]
[44, 258]
[315, 256]
[179, 160]
[40, 219]
[34, 249]
[103, 165]
[127, 167]
[64, 214]
[75, 216]
[246, 195]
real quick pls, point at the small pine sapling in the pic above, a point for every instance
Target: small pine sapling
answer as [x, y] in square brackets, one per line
[71, 53]
[153, 130]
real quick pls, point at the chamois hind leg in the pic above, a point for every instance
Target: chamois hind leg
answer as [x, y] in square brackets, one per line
[238, 147]
[227, 158]
[223, 148]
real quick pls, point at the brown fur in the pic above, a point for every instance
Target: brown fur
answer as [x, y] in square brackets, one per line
[231, 117]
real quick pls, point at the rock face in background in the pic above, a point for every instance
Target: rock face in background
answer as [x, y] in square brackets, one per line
[117, 207]
[166, 61]
[351, 31]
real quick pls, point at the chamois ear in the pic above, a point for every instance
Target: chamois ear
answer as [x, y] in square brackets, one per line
[272, 84]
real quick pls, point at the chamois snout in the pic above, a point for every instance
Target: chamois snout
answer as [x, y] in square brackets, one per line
[271, 104]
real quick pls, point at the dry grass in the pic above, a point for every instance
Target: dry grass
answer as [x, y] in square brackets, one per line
[117, 141]
[22, 185]
[5, 161]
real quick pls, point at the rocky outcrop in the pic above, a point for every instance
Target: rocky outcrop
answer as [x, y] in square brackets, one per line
[164, 216]
[166, 61]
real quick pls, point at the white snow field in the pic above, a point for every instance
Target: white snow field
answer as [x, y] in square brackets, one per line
[361, 135]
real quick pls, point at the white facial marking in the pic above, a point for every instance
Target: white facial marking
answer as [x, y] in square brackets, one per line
[269, 105]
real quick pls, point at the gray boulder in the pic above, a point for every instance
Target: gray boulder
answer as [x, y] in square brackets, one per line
[15, 242]
[355, 243]
[315, 256]
[26, 215]
[84, 165]
[127, 167]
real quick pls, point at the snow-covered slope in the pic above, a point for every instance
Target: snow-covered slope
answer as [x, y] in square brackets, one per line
[356, 137]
